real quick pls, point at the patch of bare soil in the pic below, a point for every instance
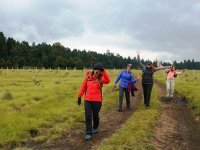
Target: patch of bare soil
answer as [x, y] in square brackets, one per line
[110, 122]
[177, 128]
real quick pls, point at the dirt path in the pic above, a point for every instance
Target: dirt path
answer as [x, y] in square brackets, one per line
[177, 128]
[109, 123]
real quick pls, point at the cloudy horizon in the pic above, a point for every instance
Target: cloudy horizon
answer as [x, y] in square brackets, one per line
[165, 30]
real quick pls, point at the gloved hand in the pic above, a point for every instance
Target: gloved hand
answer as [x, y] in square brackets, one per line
[79, 100]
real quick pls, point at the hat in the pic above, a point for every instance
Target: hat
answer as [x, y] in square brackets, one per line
[98, 67]
[130, 65]
[149, 63]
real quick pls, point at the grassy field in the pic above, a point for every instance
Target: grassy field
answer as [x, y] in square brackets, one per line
[187, 85]
[37, 105]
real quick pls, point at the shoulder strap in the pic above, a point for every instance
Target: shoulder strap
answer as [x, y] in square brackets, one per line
[98, 80]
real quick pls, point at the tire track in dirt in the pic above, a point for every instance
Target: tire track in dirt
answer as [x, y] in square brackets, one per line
[110, 122]
[177, 128]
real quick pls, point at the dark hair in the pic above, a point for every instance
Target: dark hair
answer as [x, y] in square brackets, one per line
[98, 66]
[172, 67]
[152, 67]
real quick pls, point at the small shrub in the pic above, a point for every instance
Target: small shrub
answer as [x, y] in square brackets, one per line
[195, 78]
[36, 82]
[74, 88]
[66, 74]
[187, 80]
[57, 82]
[37, 98]
[6, 95]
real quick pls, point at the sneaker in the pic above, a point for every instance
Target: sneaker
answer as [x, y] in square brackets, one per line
[119, 109]
[88, 137]
[147, 107]
[94, 131]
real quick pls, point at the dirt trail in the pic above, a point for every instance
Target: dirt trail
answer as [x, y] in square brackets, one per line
[109, 123]
[177, 128]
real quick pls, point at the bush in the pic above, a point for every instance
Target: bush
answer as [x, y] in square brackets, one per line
[36, 81]
[56, 82]
[6, 95]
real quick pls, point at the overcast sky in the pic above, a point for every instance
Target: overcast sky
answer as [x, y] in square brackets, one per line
[161, 29]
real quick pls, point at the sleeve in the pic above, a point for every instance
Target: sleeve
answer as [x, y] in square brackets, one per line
[118, 78]
[167, 70]
[138, 59]
[105, 79]
[178, 72]
[162, 68]
[132, 79]
[83, 88]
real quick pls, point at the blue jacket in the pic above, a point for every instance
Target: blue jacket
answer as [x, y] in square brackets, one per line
[125, 78]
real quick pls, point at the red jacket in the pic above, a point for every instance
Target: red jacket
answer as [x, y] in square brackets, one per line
[91, 86]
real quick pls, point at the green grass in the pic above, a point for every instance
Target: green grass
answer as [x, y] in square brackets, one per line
[37, 105]
[43, 104]
[187, 85]
[136, 133]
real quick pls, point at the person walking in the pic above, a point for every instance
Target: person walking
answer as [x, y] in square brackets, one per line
[92, 90]
[147, 79]
[125, 78]
[170, 82]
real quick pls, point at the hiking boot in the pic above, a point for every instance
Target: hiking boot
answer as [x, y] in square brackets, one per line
[94, 131]
[120, 110]
[88, 137]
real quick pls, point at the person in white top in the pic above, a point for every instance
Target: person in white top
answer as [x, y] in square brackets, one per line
[171, 75]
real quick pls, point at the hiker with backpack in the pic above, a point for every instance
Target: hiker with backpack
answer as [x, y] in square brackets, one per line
[147, 79]
[125, 78]
[92, 90]
[170, 82]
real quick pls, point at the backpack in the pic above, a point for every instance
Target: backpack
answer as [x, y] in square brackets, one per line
[98, 80]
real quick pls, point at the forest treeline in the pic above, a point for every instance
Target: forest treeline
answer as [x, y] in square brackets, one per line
[20, 54]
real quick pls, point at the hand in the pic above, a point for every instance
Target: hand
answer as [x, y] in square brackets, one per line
[79, 101]
[138, 77]
[159, 63]
[114, 86]
[138, 53]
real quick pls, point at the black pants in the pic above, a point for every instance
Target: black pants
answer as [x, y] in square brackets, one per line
[147, 88]
[121, 96]
[92, 112]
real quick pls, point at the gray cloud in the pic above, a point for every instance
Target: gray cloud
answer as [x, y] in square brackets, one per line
[153, 25]
[42, 21]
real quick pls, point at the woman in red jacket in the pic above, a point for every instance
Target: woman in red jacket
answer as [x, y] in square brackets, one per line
[92, 88]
